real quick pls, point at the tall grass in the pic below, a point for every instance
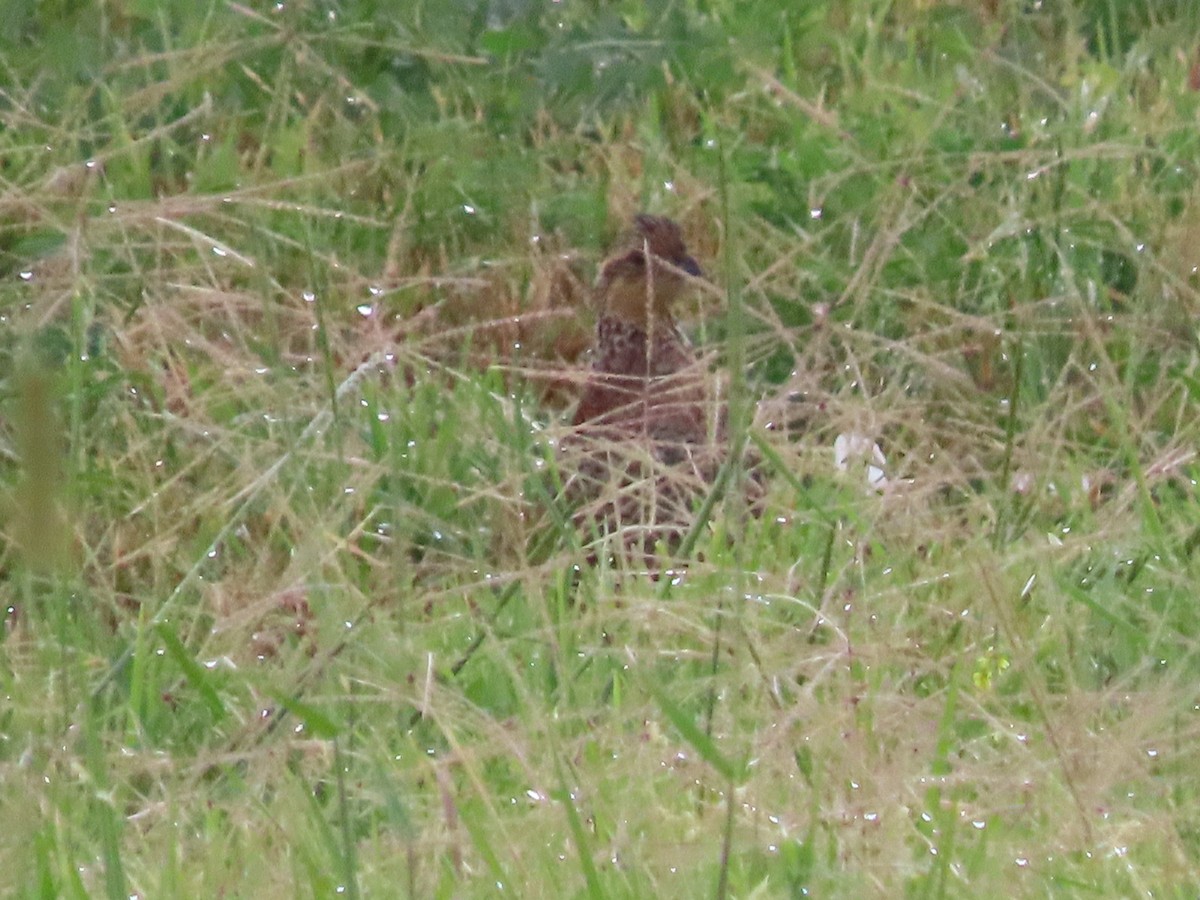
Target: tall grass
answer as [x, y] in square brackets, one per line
[293, 299]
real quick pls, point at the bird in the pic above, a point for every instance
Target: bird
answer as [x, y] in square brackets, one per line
[648, 429]
[638, 346]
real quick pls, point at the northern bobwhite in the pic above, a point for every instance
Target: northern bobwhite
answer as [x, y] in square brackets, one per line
[639, 352]
[647, 442]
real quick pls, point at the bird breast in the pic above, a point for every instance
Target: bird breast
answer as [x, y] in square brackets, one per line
[648, 383]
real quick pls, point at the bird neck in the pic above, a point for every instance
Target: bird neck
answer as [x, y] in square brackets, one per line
[641, 302]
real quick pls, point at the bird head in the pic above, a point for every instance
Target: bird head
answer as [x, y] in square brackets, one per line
[641, 281]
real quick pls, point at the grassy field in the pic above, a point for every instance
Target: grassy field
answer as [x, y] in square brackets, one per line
[292, 298]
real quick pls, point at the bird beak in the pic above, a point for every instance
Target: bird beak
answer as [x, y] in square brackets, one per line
[692, 267]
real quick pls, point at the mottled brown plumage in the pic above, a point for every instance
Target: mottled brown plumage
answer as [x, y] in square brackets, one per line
[647, 441]
[644, 375]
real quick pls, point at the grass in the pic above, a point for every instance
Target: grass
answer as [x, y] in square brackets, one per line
[289, 296]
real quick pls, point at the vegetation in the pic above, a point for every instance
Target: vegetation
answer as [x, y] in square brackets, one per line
[292, 296]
